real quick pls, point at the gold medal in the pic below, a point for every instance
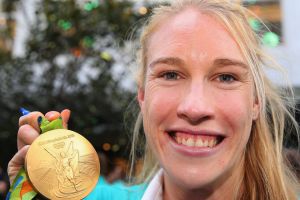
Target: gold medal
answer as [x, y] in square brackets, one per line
[62, 164]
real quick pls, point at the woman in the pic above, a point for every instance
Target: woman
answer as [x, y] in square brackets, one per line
[213, 122]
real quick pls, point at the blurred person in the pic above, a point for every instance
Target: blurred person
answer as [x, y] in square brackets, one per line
[3, 183]
[118, 172]
[105, 166]
[111, 172]
[213, 121]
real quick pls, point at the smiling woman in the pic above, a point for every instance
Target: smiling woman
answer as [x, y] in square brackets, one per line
[214, 123]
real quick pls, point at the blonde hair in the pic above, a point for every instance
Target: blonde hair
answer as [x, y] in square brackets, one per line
[266, 175]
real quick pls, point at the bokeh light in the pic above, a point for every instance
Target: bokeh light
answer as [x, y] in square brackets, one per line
[115, 148]
[271, 39]
[143, 10]
[89, 6]
[64, 24]
[105, 56]
[106, 146]
[76, 52]
[87, 41]
[255, 24]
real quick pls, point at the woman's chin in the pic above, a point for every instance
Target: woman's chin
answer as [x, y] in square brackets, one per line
[190, 182]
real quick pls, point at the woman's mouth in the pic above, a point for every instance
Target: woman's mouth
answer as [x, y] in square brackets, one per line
[196, 140]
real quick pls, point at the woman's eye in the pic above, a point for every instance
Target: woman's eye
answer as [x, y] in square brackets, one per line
[226, 78]
[171, 76]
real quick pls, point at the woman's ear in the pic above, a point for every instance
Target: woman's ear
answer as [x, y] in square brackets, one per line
[140, 97]
[256, 109]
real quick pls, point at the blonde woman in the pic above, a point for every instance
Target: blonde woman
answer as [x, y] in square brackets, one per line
[213, 122]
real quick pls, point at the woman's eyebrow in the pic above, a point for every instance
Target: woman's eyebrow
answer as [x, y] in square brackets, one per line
[168, 61]
[222, 62]
[219, 62]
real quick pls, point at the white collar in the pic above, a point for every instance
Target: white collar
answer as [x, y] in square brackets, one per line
[154, 190]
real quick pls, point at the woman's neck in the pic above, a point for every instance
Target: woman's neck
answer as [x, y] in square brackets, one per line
[229, 187]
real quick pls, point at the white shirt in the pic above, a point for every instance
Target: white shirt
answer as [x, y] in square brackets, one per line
[154, 190]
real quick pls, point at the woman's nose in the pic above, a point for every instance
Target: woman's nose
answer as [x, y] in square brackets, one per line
[196, 105]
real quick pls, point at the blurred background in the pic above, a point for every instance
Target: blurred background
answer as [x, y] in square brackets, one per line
[80, 55]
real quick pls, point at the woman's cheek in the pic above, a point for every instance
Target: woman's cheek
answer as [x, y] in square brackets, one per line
[160, 103]
[235, 110]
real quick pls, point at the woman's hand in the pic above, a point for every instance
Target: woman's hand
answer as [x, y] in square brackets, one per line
[28, 131]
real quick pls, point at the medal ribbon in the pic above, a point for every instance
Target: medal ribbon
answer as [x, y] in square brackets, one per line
[21, 189]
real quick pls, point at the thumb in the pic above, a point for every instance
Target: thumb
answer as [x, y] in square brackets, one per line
[16, 163]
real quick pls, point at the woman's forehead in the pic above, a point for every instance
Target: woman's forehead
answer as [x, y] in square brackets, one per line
[194, 33]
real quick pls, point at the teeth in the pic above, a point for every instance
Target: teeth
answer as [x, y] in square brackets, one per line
[178, 140]
[215, 142]
[196, 141]
[211, 143]
[199, 143]
[190, 142]
[205, 143]
[183, 141]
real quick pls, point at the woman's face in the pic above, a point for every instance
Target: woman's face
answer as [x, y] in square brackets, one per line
[198, 100]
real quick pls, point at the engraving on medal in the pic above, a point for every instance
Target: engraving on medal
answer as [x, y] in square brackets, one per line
[56, 139]
[66, 169]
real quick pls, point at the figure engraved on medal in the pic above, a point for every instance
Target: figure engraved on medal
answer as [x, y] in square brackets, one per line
[66, 169]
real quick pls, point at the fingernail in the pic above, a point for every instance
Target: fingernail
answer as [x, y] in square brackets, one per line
[50, 115]
[39, 119]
